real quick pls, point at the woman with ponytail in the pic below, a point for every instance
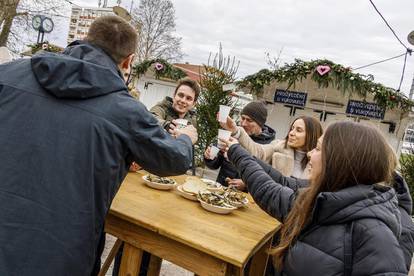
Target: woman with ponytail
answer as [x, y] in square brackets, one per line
[346, 219]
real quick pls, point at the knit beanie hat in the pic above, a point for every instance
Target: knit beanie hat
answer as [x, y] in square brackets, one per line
[257, 111]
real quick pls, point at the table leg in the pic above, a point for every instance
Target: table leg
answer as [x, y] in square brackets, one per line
[131, 260]
[232, 270]
[154, 266]
[259, 260]
[110, 258]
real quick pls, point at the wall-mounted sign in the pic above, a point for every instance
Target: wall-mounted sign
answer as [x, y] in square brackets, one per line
[290, 97]
[371, 110]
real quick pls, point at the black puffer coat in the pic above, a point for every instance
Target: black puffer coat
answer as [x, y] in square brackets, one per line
[226, 168]
[372, 210]
[69, 131]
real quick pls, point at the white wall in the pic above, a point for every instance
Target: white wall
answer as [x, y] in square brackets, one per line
[153, 91]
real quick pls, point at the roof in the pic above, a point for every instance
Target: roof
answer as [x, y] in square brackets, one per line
[193, 71]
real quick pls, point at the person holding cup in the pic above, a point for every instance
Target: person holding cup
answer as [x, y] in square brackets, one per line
[288, 155]
[253, 118]
[177, 112]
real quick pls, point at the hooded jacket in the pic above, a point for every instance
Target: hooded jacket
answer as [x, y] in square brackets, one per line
[226, 168]
[377, 246]
[69, 131]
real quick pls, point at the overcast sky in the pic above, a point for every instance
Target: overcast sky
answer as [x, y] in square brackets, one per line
[347, 32]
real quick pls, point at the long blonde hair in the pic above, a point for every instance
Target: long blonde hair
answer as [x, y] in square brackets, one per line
[351, 154]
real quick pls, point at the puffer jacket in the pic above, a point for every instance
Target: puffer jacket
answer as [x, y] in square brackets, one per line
[165, 113]
[226, 168]
[372, 210]
[69, 131]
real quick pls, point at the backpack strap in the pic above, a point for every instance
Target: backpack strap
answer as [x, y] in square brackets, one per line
[348, 249]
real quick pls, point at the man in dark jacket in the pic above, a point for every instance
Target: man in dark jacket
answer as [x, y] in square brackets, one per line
[253, 119]
[68, 120]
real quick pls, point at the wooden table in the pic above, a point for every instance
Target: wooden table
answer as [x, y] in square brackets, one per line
[181, 231]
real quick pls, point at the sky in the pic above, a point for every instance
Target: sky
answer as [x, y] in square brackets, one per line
[347, 32]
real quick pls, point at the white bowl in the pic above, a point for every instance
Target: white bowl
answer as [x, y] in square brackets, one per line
[158, 186]
[216, 209]
[213, 186]
[184, 194]
[240, 204]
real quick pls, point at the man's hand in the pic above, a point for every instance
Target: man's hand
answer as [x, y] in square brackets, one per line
[189, 130]
[229, 143]
[229, 125]
[238, 183]
[134, 167]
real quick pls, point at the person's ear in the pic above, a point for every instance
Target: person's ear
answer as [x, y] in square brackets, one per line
[127, 62]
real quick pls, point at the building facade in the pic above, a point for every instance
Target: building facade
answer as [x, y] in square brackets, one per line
[82, 18]
[330, 105]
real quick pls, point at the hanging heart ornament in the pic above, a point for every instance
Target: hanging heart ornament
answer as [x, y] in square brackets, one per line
[323, 69]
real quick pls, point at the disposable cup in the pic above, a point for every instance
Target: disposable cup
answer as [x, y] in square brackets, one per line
[213, 152]
[224, 112]
[181, 123]
[222, 134]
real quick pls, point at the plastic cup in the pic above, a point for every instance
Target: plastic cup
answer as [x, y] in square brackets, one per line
[224, 112]
[213, 152]
[181, 123]
[223, 134]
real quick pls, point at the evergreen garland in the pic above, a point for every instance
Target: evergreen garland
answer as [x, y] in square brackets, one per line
[340, 77]
[161, 68]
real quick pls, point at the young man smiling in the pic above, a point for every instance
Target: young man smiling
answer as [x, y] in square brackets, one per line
[179, 106]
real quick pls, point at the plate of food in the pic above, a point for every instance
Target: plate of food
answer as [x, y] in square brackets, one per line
[214, 202]
[187, 195]
[233, 196]
[194, 185]
[160, 183]
[211, 185]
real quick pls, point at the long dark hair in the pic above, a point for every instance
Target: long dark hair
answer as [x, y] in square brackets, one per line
[313, 129]
[351, 154]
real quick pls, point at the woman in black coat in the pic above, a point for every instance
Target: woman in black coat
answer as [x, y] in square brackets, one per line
[347, 221]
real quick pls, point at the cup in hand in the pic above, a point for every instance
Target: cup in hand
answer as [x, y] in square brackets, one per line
[223, 134]
[213, 152]
[181, 123]
[224, 112]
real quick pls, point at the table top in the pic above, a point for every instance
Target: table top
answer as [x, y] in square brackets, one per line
[233, 237]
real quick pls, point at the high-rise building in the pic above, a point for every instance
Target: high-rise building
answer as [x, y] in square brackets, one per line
[82, 18]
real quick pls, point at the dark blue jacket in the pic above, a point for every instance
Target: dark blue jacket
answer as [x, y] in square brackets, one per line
[378, 236]
[69, 131]
[226, 168]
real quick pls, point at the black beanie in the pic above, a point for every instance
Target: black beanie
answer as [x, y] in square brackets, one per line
[257, 111]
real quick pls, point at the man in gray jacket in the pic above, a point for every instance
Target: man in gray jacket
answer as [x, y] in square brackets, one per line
[68, 120]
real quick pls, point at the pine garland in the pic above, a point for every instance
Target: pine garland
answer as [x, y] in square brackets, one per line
[161, 68]
[338, 76]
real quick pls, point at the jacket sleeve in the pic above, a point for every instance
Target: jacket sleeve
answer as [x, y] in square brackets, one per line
[263, 152]
[156, 150]
[215, 163]
[273, 197]
[159, 114]
[291, 182]
[376, 251]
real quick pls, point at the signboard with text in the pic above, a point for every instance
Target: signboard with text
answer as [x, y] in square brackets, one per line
[290, 97]
[370, 110]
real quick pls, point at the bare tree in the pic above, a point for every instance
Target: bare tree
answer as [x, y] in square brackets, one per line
[156, 22]
[16, 17]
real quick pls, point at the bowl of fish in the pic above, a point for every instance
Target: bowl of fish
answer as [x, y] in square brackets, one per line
[233, 196]
[214, 202]
[157, 182]
[211, 185]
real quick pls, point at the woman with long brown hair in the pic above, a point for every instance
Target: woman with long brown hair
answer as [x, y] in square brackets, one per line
[288, 155]
[347, 220]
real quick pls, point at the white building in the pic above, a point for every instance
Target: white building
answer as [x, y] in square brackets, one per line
[329, 105]
[408, 144]
[82, 18]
